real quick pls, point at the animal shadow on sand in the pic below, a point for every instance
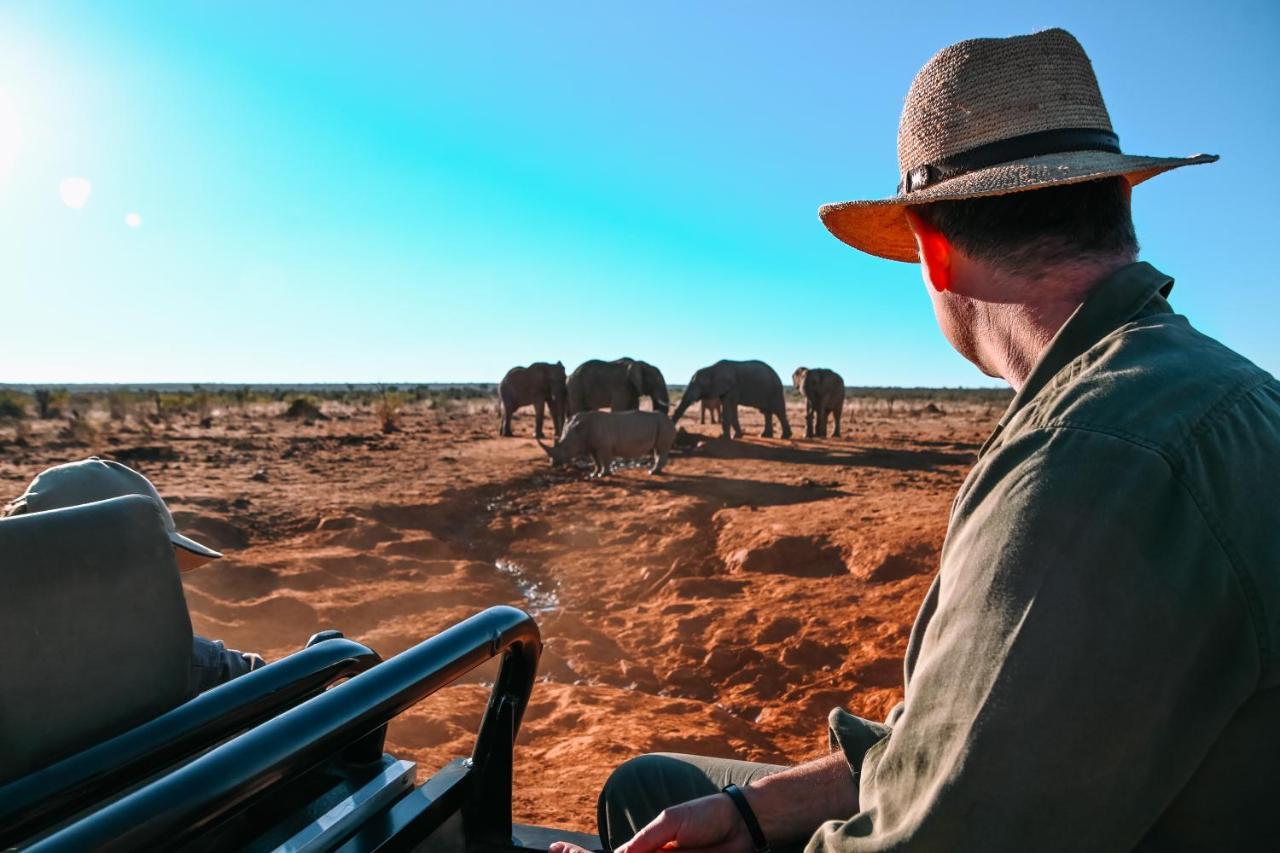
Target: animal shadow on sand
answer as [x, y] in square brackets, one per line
[855, 456]
[732, 491]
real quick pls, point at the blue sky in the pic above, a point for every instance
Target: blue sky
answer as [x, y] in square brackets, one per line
[438, 191]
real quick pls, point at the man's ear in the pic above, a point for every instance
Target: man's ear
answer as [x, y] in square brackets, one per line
[935, 251]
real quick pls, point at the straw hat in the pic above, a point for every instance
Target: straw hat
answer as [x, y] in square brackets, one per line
[994, 116]
[95, 479]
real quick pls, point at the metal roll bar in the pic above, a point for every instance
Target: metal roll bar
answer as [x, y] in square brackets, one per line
[40, 799]
[180, 805]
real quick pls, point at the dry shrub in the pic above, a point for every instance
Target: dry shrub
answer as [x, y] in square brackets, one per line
[304, 409]
[472, 406]
[120, 404]
[50, 403]
[201, 405]
[13, 406]
[166, 406]
[387, 409]
[80, 430]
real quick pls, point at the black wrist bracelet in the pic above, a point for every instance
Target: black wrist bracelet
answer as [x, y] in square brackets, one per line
[758, 842]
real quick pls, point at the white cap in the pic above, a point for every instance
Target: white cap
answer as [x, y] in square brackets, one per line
[95, 479]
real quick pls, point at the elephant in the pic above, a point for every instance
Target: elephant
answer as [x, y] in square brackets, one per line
[709, 407]
[617, 385]
[734, 383]
[605, 436]
[823, 392]
[539, 385]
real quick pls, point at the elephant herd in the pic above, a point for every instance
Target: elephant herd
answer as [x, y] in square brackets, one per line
[722, 387]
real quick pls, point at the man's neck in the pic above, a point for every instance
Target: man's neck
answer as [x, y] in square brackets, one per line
[1012, 334]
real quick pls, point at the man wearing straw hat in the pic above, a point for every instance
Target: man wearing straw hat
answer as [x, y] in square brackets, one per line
[1097, 664]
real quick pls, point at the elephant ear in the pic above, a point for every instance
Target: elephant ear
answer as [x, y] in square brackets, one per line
[635, 376]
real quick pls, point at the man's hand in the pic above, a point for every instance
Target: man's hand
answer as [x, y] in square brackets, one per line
[710, 824]
[790, 805]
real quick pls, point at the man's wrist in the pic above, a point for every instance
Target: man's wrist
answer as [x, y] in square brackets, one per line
[738, 797]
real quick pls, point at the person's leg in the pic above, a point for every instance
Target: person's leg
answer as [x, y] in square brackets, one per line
[640, 789]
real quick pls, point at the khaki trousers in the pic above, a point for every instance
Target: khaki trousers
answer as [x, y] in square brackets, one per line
[640, 789]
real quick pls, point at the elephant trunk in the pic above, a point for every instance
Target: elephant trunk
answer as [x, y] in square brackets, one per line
[692, 394]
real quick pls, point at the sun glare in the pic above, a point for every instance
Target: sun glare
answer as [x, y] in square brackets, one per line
[75, 192]
[133, 220]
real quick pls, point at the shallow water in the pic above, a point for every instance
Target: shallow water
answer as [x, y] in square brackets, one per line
[538, 597]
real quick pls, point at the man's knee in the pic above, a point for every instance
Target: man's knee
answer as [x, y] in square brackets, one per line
[639, 789]
[635, 770]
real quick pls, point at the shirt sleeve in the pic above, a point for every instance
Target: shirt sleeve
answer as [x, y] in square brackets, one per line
[853, 736]
[212, 664]
[1090, 640]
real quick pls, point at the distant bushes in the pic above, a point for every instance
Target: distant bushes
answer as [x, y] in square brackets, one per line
[13, 406]
[304, 409]
[49, 403]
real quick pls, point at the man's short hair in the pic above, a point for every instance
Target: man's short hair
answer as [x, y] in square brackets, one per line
[1027, 232]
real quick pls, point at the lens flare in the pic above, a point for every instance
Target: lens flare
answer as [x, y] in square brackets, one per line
[75, 192]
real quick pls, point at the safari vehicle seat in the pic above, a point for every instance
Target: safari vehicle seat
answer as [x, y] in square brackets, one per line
[99, 751]
[312, 775]
[98, 640]
[95, 628]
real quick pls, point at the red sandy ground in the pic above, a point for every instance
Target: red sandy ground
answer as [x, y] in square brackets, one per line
[721, 608]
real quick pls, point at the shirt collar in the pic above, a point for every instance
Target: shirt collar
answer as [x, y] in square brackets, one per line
[1114, 301]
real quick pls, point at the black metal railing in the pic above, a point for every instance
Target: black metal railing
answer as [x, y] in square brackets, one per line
[178, 806]
[40, 799]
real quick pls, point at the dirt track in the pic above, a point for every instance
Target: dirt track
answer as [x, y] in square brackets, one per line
[723, 607]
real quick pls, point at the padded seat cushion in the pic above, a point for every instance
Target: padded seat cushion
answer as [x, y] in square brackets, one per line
[95, 637]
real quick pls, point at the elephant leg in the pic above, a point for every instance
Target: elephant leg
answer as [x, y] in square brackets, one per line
[605, 461]
[506, 421]
[659, 459]
[782, 418]
[538, 414]
[729, 417]
[838, 412]
[808, 418]
[822, 420]
[768, 423]
[702, 415]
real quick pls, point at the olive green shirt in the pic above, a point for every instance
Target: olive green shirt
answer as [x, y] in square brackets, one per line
[1095, 665]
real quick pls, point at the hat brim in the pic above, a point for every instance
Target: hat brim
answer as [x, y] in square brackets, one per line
[198, 554]
[880, 227]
